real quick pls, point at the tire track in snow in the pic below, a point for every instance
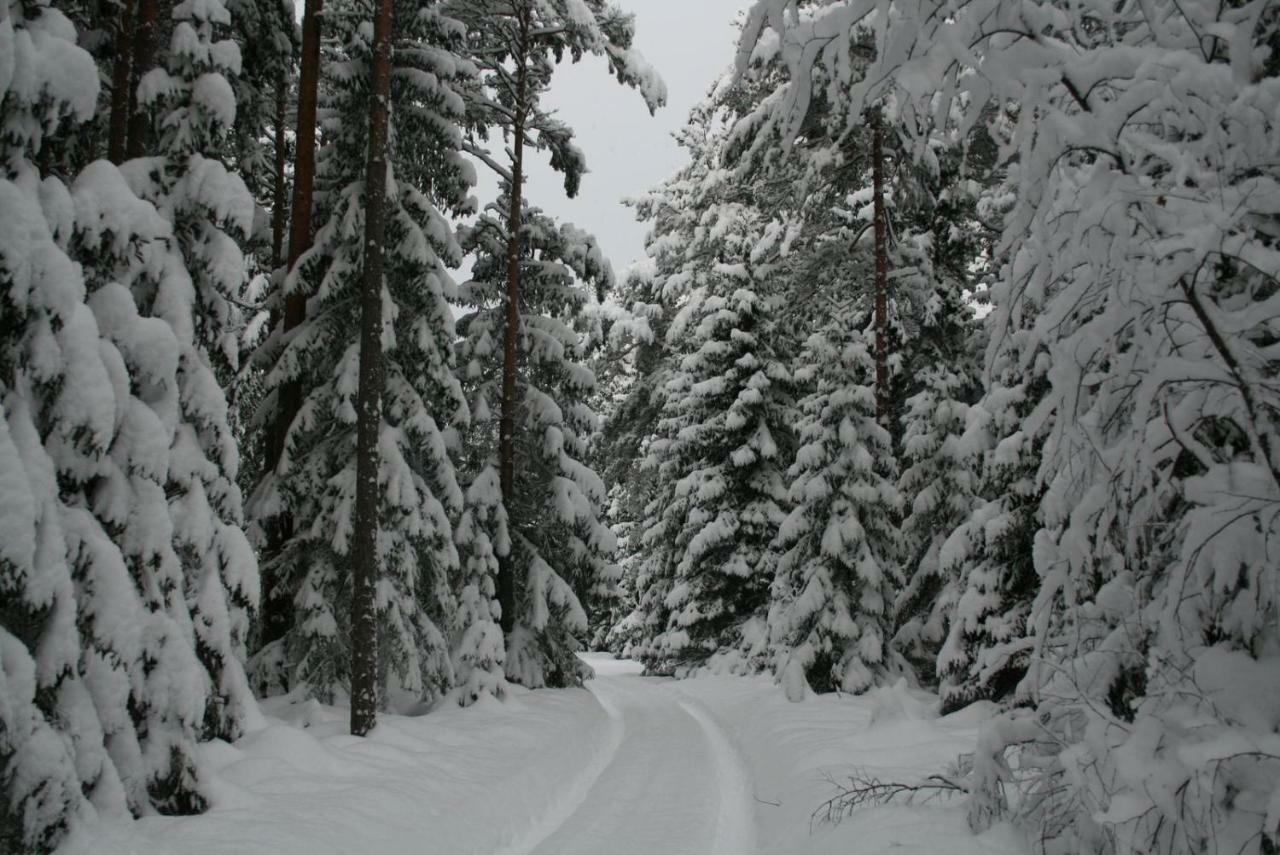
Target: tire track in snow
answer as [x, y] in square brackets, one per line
[570, 798]
[675, 785]
[735, 821]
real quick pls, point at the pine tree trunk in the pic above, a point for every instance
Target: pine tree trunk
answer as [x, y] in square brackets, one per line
[144, 59]
[304, 172]
[882, 272]
[121, 73]
[510, 339]
[278, 199]
[364, 616]
[277, 604]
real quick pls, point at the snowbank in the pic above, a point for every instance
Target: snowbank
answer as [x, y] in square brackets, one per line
[797, 752]
[457, 782]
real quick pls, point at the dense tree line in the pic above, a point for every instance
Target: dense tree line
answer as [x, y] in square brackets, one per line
[244, 446]
[956, 361]
[953, 360]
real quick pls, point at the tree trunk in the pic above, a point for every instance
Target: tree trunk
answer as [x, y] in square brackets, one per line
[882, 272]
[364, 617]
[144, 59]
[515, 221]
[277, 604]
[278, 199]
[304, 173]
[121, 74]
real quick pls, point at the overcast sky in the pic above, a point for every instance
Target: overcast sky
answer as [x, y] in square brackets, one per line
[689, 42]
[628, 151]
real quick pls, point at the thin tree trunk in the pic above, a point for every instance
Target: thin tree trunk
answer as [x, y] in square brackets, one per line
[882, 272]
[278, 202]
[364, 627]
[510, 339]
[277, 602]
[144, 59]
[121, 73]
[304, 172]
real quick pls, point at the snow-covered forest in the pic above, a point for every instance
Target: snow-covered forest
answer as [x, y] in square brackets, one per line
[928, 465]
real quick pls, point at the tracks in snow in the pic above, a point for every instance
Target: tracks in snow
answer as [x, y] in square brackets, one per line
[668, 783]
[574, 793]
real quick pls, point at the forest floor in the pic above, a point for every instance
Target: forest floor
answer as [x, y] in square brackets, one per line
[630, 766]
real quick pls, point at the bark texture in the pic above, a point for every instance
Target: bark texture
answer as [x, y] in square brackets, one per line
[279, 208]
[121, 78]
[304, 174]
[364, 613]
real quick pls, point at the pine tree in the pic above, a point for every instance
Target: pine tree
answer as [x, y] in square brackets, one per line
[421, 399]
[280, 405]
[517, 44]
[556, 536]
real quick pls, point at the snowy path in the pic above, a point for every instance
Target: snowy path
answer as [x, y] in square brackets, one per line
[671, 784]
[629, 766]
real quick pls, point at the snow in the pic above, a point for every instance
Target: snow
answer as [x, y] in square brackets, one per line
[792, 752]
[632, 764]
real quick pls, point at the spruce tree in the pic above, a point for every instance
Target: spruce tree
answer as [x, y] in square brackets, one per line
[1132, 311]
[724, 442]
[51, 358]
[629, 368]
[936, 253]
[265, 90]
[123, 586]
[517, 45]
[212, 215]
[554, 526]
[831, 607]
[988, 556]
[479, 650]
[632, 427]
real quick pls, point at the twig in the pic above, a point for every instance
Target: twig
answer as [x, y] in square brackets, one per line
[863, 790]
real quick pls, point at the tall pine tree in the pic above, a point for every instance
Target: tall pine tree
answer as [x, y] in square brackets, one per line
[418, 490]
[554, 529]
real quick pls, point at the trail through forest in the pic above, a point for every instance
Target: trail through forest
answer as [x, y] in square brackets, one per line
[669, 782]
[630, 764]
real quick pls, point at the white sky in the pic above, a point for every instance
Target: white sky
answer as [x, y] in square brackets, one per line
[628, 152]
